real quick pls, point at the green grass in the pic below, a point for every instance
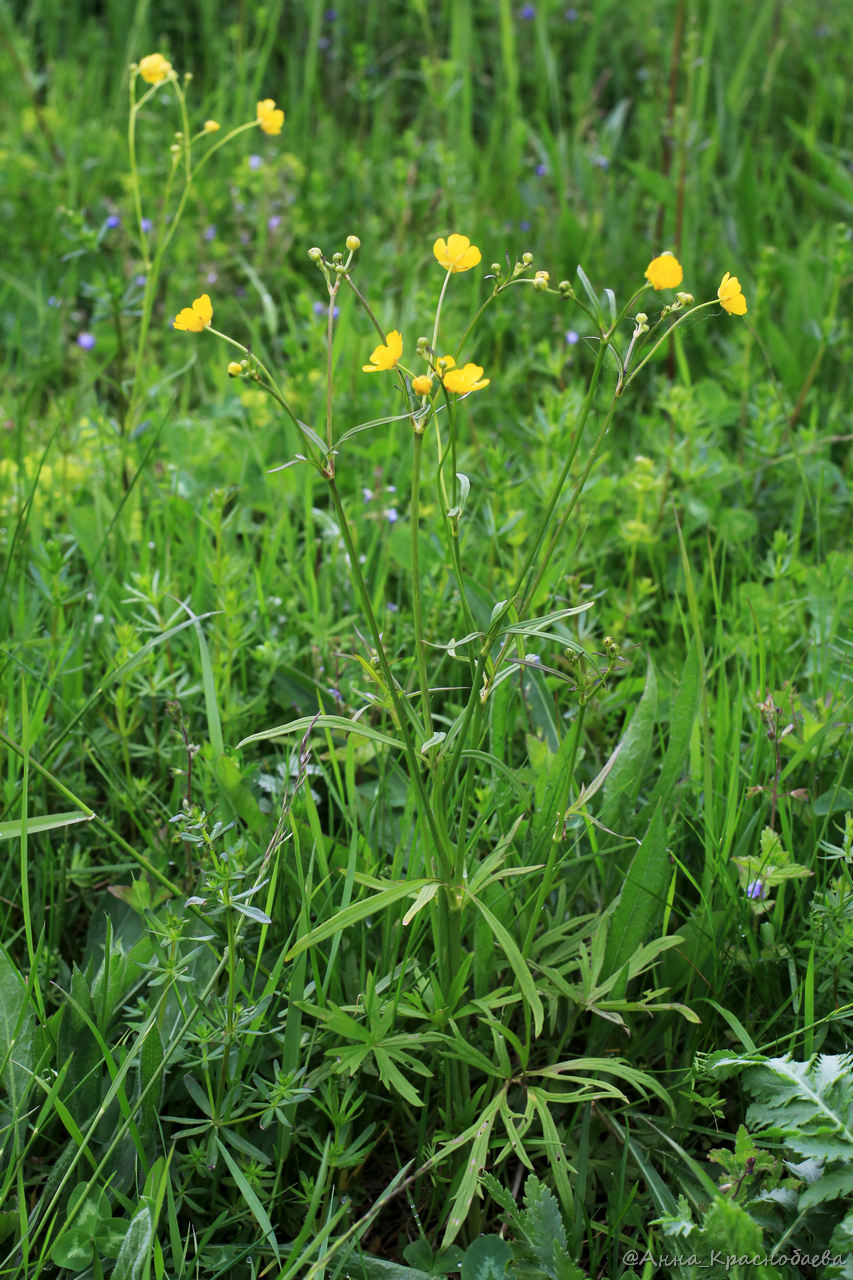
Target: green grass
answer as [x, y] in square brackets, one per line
[297, 1081]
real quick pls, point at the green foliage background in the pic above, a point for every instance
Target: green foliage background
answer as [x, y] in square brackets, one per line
[161, 588]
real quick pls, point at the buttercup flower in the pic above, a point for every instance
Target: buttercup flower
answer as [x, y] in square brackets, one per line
[664, 272]
[386, 357]
[422, 384]
[270, 117]
[195, 318]
[731, 295]
[456, 253]
[234, 368]
[468, 378]
[154, 68]
[211, 126]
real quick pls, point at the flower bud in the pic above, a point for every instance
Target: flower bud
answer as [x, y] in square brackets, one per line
[315, 254]
[211, 126]
[353, 243]
[495, 268]
[686, 299]
[337, 258]
[540, 280]
[526, 259]
[235, 368]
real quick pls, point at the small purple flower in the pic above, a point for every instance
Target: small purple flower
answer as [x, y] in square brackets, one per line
[113, 221]
[524, 225]
[255, 162]
[53, 301]
[527, 12]
[367, 494]
[320, 309]
[392, 607]
[330, 15]
[324, 43]
[147, 225]
[274, 221]
[601, 162]
[572, 337]
[140, 280]
[391, 513]
[210, 233]
[571, 15]
[211, 277]
[756, 889]
[86, 341]
[541, 170]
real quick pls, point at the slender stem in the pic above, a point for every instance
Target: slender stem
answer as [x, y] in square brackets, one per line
[539, 538]
[564, 518]
[699, 307]
[547, 881]
[440, 840]
[417, 611]
[330, 333]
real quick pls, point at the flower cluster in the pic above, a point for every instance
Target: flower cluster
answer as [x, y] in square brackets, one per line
[455, 254]
[665, 272]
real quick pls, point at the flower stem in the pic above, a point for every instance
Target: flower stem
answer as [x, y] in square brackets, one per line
[417, 612]
[440, 840]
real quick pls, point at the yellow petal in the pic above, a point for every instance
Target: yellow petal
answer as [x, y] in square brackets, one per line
[664, 272]
[187, 320]
[395, 344]
[154, 67]
[203, 309]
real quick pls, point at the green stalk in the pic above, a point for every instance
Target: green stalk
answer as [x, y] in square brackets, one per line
[547, 881]
[440, 839]
[417, 610]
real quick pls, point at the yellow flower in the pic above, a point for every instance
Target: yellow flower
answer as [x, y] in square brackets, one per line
[456, 253]
[270, 117]
[468, 378]
[386, 357]
[211, 126]
[195, 318]
[154, 67]
[422, 384]
[731, 296]
[234, 368]
[664, 272]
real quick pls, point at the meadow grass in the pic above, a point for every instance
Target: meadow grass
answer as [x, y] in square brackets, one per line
[290, 984]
